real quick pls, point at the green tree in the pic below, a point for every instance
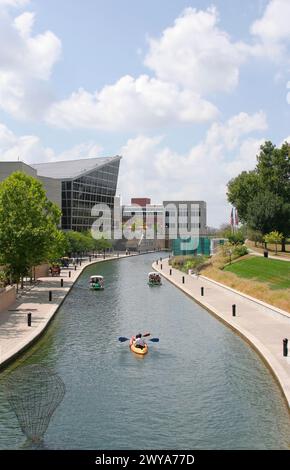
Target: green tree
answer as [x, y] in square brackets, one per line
[59, 247]
[80, 242]
[236, 238]
[262, 196]
[241, 191]
[274, 238]
[255, 235]
[265, 211]
[103, 244]
[28, 224]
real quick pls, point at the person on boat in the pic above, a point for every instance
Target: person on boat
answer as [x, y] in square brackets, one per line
[139, 342]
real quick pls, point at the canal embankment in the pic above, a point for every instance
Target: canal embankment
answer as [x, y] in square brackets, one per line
[262, 325]
[26, 319]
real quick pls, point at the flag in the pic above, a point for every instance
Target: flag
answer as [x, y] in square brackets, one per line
[236, 218]
[232, 217]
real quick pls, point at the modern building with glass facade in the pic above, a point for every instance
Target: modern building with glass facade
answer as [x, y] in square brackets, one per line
[84, 183]
[76, 186]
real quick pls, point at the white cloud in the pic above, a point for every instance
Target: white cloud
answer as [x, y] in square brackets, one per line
[131, 104]
[26, 63]
[236, 127]
[274, 24]
[196, 53]
[29, 148]
[272, 33]
[14, 3]
[151, 169]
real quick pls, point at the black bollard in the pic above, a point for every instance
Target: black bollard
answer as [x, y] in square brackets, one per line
[234, 310]
[285, 347]
[160, 266]
[75, 267]
[69, 274]
[61, 283]
[90, 258]
[170, 272]
[29, 315]
[157, 261]
[50, 296]
[80, 262]
[202, 291]
[183, 279]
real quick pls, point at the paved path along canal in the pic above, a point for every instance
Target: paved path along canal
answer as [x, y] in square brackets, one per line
[200, 387]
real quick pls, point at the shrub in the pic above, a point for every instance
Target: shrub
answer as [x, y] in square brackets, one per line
[3, 278]
[237, 238]
[184, 263]
[240, 250]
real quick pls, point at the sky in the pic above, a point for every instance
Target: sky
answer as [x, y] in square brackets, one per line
[185, 91]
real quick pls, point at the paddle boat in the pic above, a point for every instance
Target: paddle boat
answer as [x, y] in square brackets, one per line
[154, 279]
[97, 282]
[137, 350]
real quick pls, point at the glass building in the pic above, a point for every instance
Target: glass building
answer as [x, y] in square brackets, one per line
[84, 183]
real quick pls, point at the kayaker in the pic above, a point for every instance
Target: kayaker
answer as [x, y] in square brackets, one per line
[139, 343]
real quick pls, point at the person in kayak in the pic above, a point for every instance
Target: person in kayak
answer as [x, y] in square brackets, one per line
[139, 343]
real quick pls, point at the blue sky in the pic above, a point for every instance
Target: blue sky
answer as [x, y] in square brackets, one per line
[185, 91]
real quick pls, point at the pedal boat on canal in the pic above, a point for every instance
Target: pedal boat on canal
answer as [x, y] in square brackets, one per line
[97, 282]
[134, 349]
[154, 279]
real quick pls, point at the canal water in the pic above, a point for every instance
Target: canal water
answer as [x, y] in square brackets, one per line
[200, 387]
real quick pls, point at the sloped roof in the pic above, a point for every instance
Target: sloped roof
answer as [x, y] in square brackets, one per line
[70, 169]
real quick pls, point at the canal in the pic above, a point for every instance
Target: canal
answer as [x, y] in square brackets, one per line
[200, 387]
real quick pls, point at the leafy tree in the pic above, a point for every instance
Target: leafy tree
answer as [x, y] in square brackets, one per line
[103, 244]
[241, 191]
[59, 246]
[255, 235]
[262, 196]
[237, 238]
[274, 238]
[77, 242]
[273, 169]
[28, 224]
[264, 211]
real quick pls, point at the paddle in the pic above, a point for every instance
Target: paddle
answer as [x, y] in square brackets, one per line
[122, 339]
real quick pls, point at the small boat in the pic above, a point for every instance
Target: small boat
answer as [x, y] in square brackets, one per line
[97, 282]
[154, 279]
[136, 350]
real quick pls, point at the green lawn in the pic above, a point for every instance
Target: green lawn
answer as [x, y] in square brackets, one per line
[276, 273]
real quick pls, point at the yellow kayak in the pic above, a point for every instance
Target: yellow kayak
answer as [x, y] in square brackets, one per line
[138, 350]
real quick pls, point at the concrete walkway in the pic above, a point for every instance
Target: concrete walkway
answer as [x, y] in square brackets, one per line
[15, 334]
[261, 324]
[276, 257]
